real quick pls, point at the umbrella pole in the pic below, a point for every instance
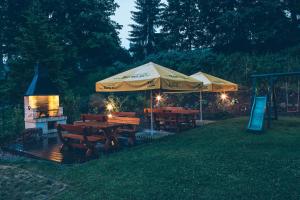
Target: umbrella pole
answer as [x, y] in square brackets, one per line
[151, 108]
[200, 104]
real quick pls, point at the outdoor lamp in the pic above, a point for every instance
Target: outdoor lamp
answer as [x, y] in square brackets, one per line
[109, 115]
[158, 98]
[109, 107]
[224, 96]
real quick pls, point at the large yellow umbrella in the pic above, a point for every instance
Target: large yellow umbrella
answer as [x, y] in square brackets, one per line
[151, 77]
[213, 84]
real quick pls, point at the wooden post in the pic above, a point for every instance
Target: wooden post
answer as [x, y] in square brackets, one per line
[274, 101]
[253, 91]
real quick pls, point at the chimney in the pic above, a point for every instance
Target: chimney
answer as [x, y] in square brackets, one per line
[41, 85]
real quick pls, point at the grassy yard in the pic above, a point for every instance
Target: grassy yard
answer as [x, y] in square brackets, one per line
[219, 161]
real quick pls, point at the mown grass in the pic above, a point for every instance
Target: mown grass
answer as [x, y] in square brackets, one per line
[219, 161]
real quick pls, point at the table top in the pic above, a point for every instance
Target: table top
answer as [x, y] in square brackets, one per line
[100, 125]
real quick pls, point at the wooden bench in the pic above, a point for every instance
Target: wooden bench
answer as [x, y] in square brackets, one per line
[79, 137]
[129, 129]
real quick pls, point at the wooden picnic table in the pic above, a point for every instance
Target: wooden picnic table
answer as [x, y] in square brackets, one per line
[109, 130]
[174, 117]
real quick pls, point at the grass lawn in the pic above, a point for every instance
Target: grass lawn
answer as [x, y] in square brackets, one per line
[219, 161]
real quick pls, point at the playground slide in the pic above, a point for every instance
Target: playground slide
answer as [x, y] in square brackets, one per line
[258, 110]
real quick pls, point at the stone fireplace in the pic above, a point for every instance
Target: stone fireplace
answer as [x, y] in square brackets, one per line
[41, 104]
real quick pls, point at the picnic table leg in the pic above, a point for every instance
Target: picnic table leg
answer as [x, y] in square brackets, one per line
[111, 139]
[91, 149]
[65, 142]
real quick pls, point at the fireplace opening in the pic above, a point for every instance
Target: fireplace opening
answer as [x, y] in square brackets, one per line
[45, 106]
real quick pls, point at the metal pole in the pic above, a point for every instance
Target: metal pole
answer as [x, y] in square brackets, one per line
[151, 108]
[298, 99]
[201, 113]
[287, 96]
[269, 108]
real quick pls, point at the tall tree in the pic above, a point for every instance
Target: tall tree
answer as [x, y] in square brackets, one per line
[71, 38]
[36, 41]
[180, 24]
[143, 36]
[263, 25]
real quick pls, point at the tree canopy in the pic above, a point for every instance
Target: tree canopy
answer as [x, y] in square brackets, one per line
[143, 36]
[69, 37]
[78, 41]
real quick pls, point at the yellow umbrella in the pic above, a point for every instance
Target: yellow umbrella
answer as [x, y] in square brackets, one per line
[151, 77]
[213, 84]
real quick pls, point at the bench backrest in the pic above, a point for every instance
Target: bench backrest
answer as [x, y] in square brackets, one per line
[124, 114]
[93, 117]
[71, 128]
[124, 120]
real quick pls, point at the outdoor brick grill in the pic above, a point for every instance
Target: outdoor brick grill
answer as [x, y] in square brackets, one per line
[41, 103]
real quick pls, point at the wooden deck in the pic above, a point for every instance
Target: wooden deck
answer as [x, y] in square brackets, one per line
[47, 149]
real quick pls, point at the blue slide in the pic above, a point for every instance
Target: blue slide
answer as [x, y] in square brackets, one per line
[256, 122]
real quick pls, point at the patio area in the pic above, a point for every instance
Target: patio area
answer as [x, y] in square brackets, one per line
[49, 149]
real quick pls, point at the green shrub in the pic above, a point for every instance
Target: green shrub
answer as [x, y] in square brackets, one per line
[71, 104]
[11, 123]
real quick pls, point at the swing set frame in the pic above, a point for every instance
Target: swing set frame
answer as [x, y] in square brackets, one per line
[272, 78]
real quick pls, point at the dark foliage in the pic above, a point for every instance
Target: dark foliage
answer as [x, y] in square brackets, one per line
[72, 39]
[231, 26]
[79, 44]
[143, 36]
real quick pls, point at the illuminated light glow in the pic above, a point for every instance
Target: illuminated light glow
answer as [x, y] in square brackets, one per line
[109, 107]
[109, 116]
[48, 103]
[224, 96]
[158, 98]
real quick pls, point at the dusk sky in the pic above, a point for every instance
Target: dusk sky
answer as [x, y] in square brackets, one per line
[123, 17]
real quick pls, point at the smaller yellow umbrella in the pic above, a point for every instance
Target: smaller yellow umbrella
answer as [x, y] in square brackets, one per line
[213, 84]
